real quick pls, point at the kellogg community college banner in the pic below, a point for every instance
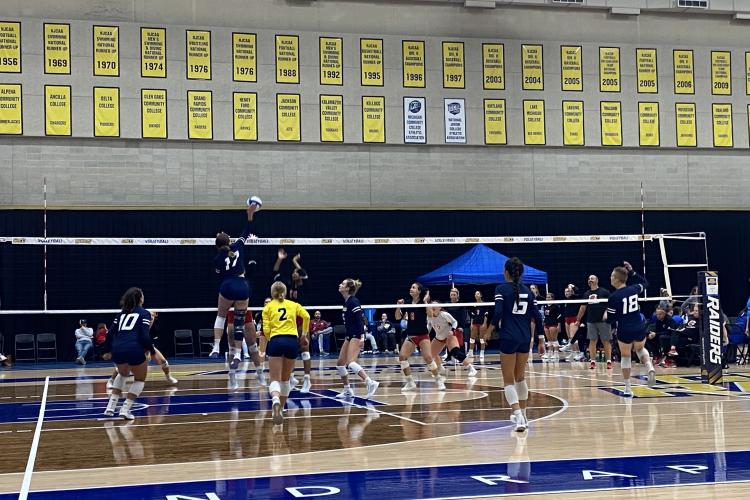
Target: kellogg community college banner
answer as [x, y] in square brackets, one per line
[455, 121]
[415, 122]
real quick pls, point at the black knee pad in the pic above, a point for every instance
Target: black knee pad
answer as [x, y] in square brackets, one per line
[239, 325]
[457, 354]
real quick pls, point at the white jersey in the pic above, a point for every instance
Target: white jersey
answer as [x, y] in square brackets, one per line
[443, 324]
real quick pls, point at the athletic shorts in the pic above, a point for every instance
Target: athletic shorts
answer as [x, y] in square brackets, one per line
[599, 330]
[569, 320]
[128, 356]
[514, 345]
[630, 337]
[551, 323]
[235, 289]
[416, 339]
[283, 346]
[354, 336]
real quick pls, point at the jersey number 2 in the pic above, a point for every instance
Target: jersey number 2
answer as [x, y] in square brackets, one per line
[630, 304]
[283, 314]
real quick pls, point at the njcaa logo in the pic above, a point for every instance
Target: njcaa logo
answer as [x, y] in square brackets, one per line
[454, 108]
[415, 106]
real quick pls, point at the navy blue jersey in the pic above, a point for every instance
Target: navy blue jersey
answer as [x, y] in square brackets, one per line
[130, 331]
[416, 318]
[552, 314]
[515, 319]
[353, 315]
[227, 266]
[479, 314]
[623, 310]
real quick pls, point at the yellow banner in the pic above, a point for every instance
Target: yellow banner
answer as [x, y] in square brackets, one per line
[573, 131]
[200, 116]
[533, 123]
[198, 51]
[331, 118]
[747, 73]
[371, 62]
[532, 67]
[412, 52]
[331, 61]
[494, 122]
[373, 119]
[721, 72]
[648, 80]
[244, 62]
[609, 69]
[288, 117]
[57, 113]
[245, 116]
[11, 110]
[453, 65]
[687, 135]
[611, 119]
[493, 66]
[571, 68]
[10, 47]
[106, 112]
[683, 72]
[722, 118]
[648, 123]
[106, 51]
[153, 113]
[57, 49]
[287, 59]
[154, 52]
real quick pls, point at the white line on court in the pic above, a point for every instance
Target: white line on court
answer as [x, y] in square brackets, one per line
[350, 403]
[24, 494]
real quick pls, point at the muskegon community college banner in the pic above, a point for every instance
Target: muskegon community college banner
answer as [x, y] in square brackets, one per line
[415, 128]
[455, 121]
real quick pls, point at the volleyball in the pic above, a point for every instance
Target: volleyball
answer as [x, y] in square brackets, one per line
[256, 200]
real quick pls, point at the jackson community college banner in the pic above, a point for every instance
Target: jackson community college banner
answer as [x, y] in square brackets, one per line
[415, 122]
[455, 121]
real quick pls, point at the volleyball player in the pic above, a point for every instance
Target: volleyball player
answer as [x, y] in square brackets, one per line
[417, 335]
[540, 338]
[355, 323]
[157, 357]
[280, 323]
[445, 327]
[479, 321]
[515, 309]
[262, 339]
[552, 316]
[624, 314]
[570, 314]
[127, 339]
[461, 315]
[249, 343]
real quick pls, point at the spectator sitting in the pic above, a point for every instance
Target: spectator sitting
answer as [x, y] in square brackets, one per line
[6, 361]
[694, 299]
[100, 337]
[387, 332]
[373, 343]
[84, 341]
[666, 302]
[660, 328]
[676, 313]
[320, 328]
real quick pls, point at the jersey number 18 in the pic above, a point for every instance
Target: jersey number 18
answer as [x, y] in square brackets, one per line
[630, 304]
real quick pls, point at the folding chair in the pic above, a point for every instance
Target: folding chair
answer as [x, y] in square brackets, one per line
[46, 342]
[183, 339]
[205, 341]
[339, 334]
[28, 340]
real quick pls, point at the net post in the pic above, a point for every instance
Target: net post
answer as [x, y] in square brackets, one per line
[711, 328]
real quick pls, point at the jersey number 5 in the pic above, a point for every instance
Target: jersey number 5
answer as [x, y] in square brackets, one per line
[630, 304]
[283, 314]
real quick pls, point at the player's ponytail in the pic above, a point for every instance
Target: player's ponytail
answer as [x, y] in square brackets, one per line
[222, 243]
[278, 290]
[514, 268]
[353, 285]
[132, 298]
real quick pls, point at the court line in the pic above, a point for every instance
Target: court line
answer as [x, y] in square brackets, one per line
[23, 495]
[350, 403]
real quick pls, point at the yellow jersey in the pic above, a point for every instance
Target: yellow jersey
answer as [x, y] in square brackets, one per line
[280, 318]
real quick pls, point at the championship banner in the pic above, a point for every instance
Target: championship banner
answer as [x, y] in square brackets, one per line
[373, 119]
[57, 49]
[721, 72]
[609, 69]
[722, 124]
[493, 66]
[571, 68]
[245, 116]
[331, 118]
[533, 123]
[573, 131]
[200, 116]
[10, 47]
[106, 51]
[455, 121]
[687, 134]
[415, 120]
[11, 109]
[106, 112]
[453, 65]
[371, 62]
[683, 72]
[288, 118]
[331, 61]
[198, 54]
[646, 66]
[154, 52]
[244, 62]
[711, 328]
[412, 52]
[154, 113]
[287, 59]
[648, 124]
[494, 122]
[611, 119]
[532, 67]
[57, 112]
[747, 73]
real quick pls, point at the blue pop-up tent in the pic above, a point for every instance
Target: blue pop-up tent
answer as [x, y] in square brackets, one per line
[479, 266]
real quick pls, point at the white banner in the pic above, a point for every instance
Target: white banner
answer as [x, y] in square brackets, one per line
[415, 120]
[455, 121]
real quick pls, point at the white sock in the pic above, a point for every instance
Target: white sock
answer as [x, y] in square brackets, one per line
[410, 378]
[216, 345]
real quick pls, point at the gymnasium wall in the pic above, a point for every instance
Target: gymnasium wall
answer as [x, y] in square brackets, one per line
[133, 172]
